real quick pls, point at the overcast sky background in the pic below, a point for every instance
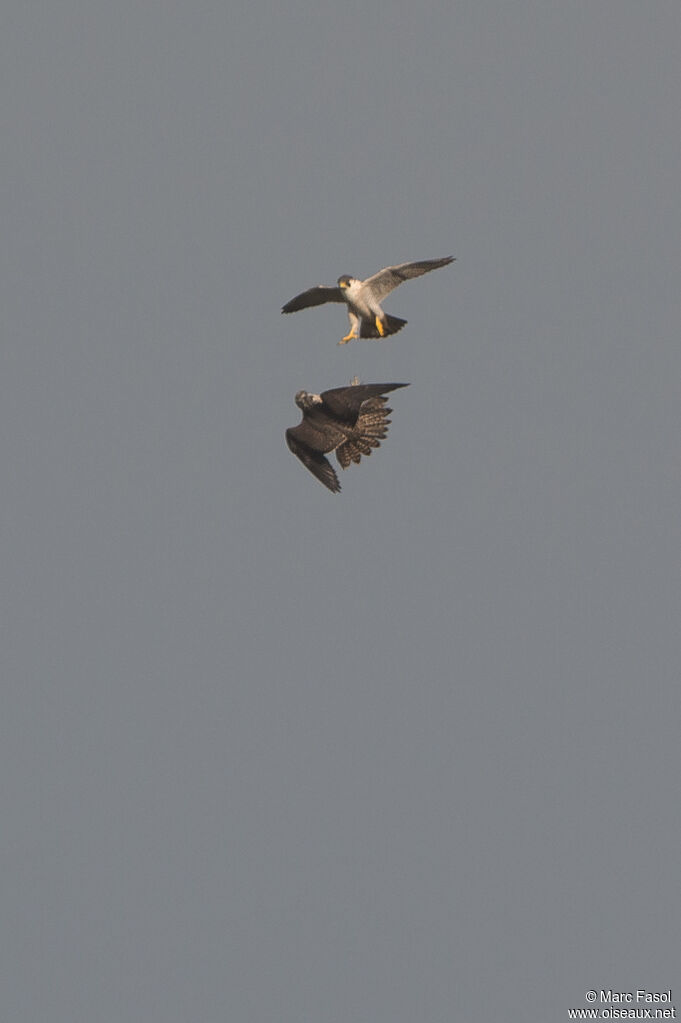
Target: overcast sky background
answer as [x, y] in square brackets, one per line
[406, 753]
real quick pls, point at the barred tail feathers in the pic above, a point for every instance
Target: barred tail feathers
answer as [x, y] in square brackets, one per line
[370, 430]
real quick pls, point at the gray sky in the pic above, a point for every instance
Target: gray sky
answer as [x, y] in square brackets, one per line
[407, 753]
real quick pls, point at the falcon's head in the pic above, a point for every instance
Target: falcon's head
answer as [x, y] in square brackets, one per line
[305, 400]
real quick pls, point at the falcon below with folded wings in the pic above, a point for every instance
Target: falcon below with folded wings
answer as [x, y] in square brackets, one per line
[348, 420]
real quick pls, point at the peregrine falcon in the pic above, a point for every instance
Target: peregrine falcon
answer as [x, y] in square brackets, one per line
[350, 420]
[363, 298]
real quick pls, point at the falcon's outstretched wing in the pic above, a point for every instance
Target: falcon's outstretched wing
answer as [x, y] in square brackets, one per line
[386, 280]
[297, 438]
[314, 296]
[345, 402]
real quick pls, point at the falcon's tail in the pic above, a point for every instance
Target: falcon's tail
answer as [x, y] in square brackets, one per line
[390, 324]
[371, 428]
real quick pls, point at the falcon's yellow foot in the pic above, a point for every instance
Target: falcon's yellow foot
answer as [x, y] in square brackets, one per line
[379, 326]
[348, 337]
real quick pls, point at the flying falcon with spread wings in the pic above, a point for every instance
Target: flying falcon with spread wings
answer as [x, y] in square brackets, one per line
[363, 298]
[350, 420]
